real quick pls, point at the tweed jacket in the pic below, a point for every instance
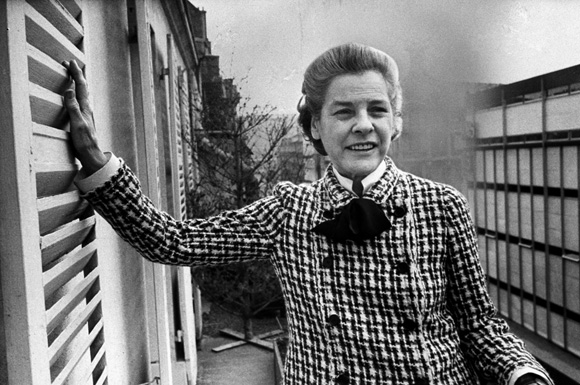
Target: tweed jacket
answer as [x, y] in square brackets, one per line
[406, 307]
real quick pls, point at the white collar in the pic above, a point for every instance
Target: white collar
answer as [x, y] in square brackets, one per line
[367, 182]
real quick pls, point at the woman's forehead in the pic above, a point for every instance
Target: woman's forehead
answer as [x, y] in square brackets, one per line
[368, 86]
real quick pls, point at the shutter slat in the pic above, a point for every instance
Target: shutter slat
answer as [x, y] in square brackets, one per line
[64, 271]
[57, 210]
[59, 17]
[48, 149]
[54, 178]
[78, 355]
[60, 310]
[51, 132]
[95, 361]
[101, 379]
[55, 165]
[44, 36]
[73, 8]
[45, 72]
[47, 107]
[65, 239]
[71, 331]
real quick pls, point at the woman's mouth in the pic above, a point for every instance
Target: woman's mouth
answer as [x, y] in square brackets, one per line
[361, 147]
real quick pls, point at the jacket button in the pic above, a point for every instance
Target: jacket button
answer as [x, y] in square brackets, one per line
[400, 211]
[343, 378]
[328, 214]
[410, 325]
[421, 381]
[403, 268]
[333, 320]
[327, 262]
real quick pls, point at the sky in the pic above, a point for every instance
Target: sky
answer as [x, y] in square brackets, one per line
[266, 45]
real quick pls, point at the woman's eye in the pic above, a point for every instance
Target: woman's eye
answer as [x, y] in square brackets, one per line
[379, 110]
[342, 112]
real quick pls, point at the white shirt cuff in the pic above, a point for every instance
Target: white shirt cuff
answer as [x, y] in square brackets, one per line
[98, 178]
[525, 370]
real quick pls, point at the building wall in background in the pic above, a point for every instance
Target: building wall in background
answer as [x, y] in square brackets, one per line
[524, 193]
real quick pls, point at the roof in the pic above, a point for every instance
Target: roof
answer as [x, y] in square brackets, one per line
[494, 96]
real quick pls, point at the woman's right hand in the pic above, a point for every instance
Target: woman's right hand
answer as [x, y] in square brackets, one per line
[82, 125]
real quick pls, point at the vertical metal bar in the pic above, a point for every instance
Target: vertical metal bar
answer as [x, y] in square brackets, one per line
[563, 245]
[533, 249]
[546, 212]
[506, 207]
[578, 206]
[485, 209]
[519, 215]
[495, 210]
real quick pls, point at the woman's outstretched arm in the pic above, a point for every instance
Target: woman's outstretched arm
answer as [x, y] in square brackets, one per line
[233, 236]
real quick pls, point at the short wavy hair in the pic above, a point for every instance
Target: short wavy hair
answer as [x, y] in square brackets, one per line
[351, 58]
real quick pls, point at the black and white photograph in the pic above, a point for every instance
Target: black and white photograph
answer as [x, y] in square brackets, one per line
[290, 192]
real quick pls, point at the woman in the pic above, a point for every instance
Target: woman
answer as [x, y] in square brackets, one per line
[379, 268]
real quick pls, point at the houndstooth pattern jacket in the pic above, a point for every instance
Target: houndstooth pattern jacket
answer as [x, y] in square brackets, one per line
[406, 307]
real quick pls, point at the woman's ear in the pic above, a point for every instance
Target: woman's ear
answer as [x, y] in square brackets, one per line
[314, 128]
[396, 134]
[397, 127]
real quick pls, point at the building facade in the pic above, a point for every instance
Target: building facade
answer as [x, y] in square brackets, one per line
[524, 194]
[77, 304]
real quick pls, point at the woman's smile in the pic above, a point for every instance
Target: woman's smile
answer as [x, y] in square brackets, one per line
[362, 147]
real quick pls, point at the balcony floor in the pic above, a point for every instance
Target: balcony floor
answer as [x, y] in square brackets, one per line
[243, 365]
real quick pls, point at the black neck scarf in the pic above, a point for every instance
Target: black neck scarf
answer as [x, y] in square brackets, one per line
[359, 220]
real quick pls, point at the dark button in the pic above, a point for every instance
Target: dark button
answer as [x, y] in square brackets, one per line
[410, 325]
[333, 320]
[403, 268]
[343, 378]
[421, 381]
[400, 211]
[328, 214]
[327, 262]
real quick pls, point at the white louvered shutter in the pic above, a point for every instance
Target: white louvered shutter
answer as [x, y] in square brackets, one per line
[50, 235]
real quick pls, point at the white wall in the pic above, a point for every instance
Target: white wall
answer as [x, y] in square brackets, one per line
[122, 282]
[563, 112]
[489, 123]
[524, 118]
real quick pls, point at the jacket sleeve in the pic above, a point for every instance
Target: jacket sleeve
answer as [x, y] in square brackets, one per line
[232, 236]
[494, 352]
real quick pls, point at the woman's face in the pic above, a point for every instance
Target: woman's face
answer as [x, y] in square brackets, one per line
[355, 123]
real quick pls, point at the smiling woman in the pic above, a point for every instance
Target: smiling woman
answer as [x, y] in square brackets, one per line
[379, 268]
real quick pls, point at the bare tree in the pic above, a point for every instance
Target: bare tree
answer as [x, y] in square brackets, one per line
[237, 157]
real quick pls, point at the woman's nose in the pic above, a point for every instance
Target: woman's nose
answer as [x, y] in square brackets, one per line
[363, 123]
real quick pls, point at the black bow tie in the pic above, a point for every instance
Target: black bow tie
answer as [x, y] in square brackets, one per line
[360, 219]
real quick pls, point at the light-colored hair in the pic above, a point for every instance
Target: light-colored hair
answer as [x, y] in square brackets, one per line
[351, 58]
